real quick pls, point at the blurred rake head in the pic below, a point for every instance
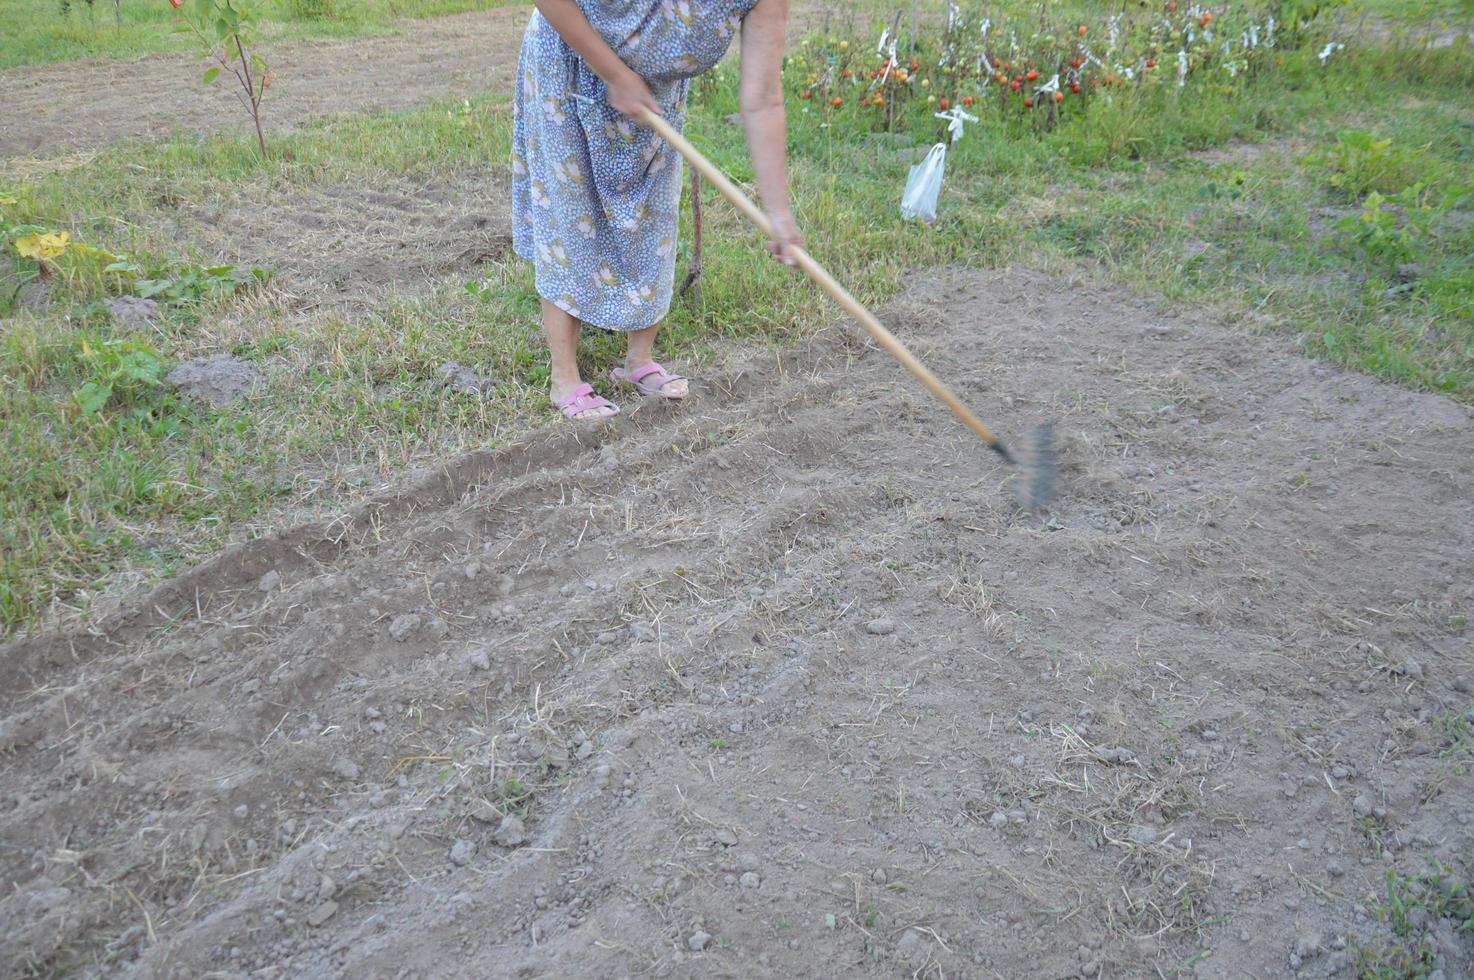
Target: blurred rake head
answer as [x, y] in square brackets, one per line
[1035, 459]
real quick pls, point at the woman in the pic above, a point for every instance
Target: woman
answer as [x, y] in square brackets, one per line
[596, 195]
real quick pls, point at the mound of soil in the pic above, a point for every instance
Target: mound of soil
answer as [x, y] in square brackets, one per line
[775, 684]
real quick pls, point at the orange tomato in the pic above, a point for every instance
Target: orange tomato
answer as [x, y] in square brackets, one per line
[943, 104]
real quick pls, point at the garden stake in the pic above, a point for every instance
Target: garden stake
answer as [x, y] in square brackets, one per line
[1036, 463]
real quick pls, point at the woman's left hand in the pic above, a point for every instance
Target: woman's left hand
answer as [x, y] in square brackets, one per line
[786, 238]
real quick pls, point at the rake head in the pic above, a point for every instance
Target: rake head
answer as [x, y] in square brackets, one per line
[1035, 459]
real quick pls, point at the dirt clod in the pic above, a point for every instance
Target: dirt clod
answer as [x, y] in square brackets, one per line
[319, 916]
[132, 312]
[880, 627]
[217, 380]
[462, 852]
[699, 940]
[269, 582]
[459, 378]
[402, 627]
[511, 832]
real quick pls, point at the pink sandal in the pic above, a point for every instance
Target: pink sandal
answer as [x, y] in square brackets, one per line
[583, 399]
[658, 377]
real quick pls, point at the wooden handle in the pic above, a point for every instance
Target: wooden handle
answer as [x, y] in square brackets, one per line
[825, 281]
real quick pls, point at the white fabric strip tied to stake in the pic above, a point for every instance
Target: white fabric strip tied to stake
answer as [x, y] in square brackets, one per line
[924, 185]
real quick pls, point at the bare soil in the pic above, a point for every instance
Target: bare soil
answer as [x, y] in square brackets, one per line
[775, 684]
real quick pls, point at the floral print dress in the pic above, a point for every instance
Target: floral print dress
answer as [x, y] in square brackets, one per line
[595, 197]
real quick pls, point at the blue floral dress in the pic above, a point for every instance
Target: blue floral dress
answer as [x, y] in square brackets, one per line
[595, 198]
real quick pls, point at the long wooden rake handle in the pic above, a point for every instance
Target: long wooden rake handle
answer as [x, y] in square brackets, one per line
[827, 283]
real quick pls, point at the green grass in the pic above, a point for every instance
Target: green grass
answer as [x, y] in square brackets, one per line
[1411, 902]
[1209, 199]
[43, 32]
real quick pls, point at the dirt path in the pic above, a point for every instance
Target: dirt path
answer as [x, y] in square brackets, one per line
[52, 110]
[777, 687]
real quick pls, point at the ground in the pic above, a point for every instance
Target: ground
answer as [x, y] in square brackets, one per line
[56, 114]
[780, 685]
[776, 682]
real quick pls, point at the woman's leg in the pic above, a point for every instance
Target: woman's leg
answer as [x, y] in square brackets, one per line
[641, 351]
[561, 329]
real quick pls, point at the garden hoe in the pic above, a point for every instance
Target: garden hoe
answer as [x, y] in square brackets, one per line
[1035, 462]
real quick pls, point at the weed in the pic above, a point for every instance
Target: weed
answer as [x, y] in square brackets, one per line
[1360, 164]
[512, 794]
[1411, 903]
[1372, 831]
[118, 371]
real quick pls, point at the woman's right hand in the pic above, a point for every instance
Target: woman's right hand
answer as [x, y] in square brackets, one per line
[630, 95]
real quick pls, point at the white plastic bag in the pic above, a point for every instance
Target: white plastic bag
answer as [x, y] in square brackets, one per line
[923, 186]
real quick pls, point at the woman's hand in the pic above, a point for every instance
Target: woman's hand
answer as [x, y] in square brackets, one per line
[629, 94]
[786, 238]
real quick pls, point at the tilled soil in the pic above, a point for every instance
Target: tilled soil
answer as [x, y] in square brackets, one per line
[775, 684]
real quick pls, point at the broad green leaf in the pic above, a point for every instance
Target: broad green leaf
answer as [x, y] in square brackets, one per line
[91, 397]
[211, 74]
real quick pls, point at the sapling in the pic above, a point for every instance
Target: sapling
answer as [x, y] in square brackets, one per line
[226, 30]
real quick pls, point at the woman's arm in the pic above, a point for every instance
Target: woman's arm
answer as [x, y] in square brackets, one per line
[761, 99]
[627, 91]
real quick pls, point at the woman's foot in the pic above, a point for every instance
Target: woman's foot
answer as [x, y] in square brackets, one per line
[650, 378]
[579, 402]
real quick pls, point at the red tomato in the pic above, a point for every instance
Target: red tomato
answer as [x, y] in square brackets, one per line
[1059, 97]
[943, 104]
[1032, 76]
[1028, 102]
[836, 102]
